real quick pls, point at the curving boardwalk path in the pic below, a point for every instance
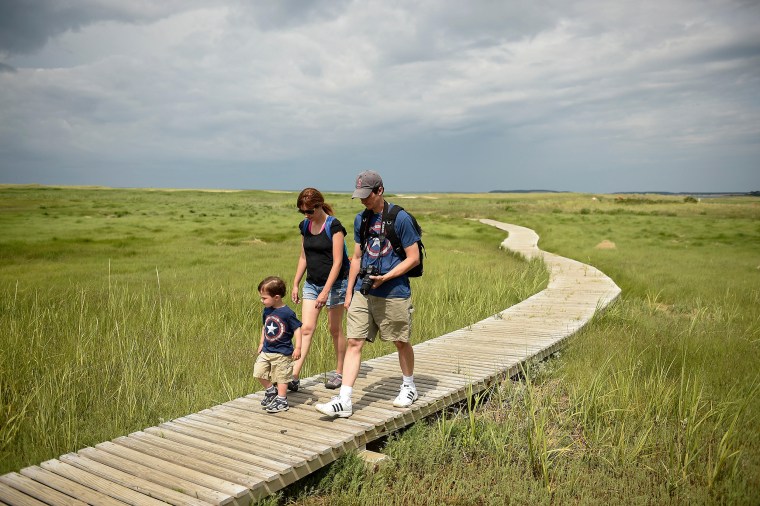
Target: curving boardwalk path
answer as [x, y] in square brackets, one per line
[235, 452]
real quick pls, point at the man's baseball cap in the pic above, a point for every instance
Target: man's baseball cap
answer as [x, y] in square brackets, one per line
[365, 183]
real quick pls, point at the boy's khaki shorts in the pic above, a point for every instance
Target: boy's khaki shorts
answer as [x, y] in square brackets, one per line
[274, 367]
[368, 315]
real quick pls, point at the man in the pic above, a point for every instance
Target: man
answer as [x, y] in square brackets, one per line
[387, 307]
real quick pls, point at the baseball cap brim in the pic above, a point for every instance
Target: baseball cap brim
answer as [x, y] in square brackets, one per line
[361, 193]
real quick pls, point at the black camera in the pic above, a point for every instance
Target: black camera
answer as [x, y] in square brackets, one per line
[367, 282]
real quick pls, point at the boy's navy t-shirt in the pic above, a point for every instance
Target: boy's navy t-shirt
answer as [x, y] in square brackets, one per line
[279, 325]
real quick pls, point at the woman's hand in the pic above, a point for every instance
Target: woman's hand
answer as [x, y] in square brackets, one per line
[347, 303]
[322, 299]
[294, 296]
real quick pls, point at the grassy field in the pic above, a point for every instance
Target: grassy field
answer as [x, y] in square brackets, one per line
[655, 402]
[122, 308]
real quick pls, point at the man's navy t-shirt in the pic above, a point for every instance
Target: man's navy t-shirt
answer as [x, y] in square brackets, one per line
[383, 256]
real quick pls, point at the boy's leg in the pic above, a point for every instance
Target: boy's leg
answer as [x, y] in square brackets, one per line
[282, 372]
[262, 371]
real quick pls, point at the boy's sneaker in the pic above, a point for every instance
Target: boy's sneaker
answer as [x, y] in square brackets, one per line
[336, 407]
[294, 384]
[335, 382]
[277, 405]
[406, 396]
[269, 396]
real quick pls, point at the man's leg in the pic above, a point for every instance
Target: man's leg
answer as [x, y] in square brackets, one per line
[405, 357]
[358, 323]
[353, 361]
[341, 405]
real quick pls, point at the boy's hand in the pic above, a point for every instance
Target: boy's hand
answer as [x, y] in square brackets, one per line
[296, 353]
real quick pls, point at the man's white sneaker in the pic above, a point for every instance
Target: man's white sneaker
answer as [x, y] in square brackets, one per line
[336, 407]
[406, 396]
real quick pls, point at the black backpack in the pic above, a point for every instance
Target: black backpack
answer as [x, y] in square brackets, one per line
[389, 216]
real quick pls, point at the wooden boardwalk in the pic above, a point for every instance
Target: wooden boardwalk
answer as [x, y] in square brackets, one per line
[235, 452]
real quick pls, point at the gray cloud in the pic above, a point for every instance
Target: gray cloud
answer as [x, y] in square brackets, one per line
[587, 95]
[27, 25]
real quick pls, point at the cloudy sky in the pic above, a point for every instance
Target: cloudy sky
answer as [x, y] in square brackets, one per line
[588, 95]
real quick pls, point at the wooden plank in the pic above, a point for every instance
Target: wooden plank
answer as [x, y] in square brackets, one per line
[99, 484]
[219, 447]
[13, 497]
[263, 433]
[282, 476]
[228, 468]
[254, 444]
[39, 491]
[158, 476]
[50, 474]
[319, 430]
[110, 480]
[171, 464]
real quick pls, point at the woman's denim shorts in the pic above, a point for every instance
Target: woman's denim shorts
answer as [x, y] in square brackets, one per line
[337, 293]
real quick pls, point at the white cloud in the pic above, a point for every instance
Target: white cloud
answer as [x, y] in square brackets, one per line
[241, 83]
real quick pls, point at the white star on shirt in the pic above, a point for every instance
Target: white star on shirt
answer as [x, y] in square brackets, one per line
[271, 328]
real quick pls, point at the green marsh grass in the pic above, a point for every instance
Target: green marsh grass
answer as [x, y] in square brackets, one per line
[654, 402]
[120, 309]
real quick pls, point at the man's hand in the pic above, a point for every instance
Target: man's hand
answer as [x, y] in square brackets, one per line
[377, 280]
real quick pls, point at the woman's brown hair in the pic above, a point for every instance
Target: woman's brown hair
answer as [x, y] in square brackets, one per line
[312, 198]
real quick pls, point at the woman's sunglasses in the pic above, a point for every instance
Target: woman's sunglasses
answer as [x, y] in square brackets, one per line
[307, 211]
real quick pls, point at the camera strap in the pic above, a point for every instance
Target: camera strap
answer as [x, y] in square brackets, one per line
[381, 237]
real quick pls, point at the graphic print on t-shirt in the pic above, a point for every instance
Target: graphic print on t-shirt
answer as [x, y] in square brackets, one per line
[274, 328]
[374, 249]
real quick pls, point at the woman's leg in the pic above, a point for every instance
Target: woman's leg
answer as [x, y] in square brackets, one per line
[309, 315]
[335, 322]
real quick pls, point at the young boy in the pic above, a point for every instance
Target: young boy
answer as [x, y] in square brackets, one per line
[274, 365]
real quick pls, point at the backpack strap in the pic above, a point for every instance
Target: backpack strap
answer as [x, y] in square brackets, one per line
[364, 228]
[390, 231]
[328, 224]
[304, 226]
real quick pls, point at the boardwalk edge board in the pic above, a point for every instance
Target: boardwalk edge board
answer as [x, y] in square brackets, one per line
[233, 453]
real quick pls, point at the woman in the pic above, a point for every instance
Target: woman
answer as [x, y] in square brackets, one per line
[325, 262]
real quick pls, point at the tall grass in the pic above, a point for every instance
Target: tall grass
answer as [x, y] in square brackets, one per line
[150, 311]
[655, 402]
